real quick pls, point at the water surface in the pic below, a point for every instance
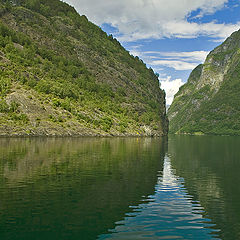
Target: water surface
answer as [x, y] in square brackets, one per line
[182, 187]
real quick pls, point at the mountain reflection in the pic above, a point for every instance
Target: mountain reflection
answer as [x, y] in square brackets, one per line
[76, 188]
[119, 188]
[210, 168]
[170, 213]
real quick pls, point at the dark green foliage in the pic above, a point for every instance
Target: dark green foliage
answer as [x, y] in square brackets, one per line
[72, 63]
[106, 123]
[3, 106]
[4, 86]
[206, 110]
[19, 117]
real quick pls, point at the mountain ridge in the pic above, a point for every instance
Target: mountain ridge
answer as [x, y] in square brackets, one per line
[85, 80]
[208, 102]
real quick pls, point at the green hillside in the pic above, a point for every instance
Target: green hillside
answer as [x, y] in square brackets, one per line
[209, 103]
[62, 75]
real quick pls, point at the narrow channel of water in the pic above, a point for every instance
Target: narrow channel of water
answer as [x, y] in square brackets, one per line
[183, 187]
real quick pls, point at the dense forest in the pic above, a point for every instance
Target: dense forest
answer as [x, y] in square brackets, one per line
[62, 75]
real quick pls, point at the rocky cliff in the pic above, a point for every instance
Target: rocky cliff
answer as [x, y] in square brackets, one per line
[209, 103]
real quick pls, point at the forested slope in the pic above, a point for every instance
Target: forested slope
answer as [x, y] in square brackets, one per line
[209, 103]
[62, 75]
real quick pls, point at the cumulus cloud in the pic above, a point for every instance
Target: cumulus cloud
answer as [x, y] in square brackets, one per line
[177, 60]
[184, 29]
[198, 56]
[177, 65]
[171, 87]
[143, 19]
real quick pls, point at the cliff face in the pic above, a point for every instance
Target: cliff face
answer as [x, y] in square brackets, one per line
[62, 75]
[209, 103]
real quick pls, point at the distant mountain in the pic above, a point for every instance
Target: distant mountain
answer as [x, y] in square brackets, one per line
[62, 75]
[209, 103]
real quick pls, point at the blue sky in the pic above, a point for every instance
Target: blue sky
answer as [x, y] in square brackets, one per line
[171, 36]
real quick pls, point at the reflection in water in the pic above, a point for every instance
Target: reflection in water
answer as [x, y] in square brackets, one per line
[210, 167]
[73, 188]
[119, 188]
[169, 214]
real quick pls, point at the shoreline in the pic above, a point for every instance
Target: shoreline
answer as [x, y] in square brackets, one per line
[81, 135]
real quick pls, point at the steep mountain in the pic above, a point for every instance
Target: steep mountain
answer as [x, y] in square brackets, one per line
[209, 103]
[62, 75]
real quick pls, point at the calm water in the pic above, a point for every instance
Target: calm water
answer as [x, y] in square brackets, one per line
[183, 187]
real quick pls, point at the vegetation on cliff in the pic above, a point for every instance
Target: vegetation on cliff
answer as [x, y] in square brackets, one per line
[62, 75]
[209, 103]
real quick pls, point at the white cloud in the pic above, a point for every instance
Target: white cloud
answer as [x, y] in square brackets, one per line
[191, 56]
[176, 60]
[179, 60]
[177, 65]
[156, 19]
[171, 87]
[184, 29]
[143, 19]
[194, 56]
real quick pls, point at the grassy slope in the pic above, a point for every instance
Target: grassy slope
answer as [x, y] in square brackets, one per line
[211, 109]
[62, 75]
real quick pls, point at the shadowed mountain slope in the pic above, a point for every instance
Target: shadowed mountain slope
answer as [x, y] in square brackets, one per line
[209, 103]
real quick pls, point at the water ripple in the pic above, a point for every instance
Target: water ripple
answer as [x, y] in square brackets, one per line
[170, 213]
